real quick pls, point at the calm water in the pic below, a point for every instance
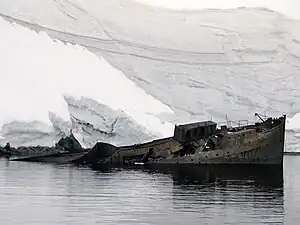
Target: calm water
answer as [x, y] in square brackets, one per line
[33, 193]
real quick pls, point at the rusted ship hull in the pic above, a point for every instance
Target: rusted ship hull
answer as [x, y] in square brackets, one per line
[267, 149]
[261, 143]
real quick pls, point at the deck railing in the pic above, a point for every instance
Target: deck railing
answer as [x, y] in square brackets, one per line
[236, 123]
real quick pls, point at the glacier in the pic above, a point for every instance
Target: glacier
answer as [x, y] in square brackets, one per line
[39, 74]
[198, 63]
[287, 7]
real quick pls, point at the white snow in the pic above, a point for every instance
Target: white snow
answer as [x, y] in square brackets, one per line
[287, 7]
[93, 122]
[293, 123]
[36, 73]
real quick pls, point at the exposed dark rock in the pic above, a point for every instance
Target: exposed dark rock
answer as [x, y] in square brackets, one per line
[7, 146]
[6, 151]
[69, 144]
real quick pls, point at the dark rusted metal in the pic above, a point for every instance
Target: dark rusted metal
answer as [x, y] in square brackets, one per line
[259, 143]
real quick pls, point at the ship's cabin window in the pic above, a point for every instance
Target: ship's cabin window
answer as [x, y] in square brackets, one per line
[188, 134]
[201, 131]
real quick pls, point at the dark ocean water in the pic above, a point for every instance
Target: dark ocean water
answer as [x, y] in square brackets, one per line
[33, 193]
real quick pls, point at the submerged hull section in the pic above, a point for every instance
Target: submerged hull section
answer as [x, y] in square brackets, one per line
[53, 158]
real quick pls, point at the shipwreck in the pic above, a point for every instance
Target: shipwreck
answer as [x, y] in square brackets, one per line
[204, 143]
[194, 143]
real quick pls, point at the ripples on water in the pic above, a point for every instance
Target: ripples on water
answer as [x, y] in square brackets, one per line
[33, 193]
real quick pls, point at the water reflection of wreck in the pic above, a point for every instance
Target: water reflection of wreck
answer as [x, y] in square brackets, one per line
[260, 176]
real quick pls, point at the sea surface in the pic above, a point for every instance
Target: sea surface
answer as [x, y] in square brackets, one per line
[33, 193]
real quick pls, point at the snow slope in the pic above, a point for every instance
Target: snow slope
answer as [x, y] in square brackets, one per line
[287, 7]
[38, 72]
[202, 64]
